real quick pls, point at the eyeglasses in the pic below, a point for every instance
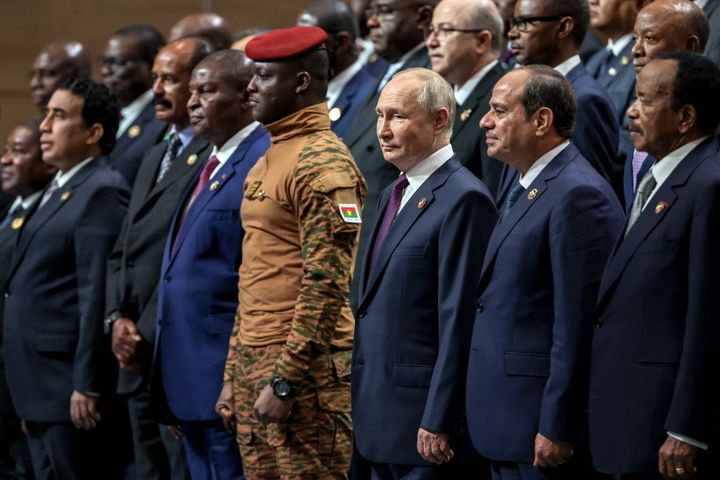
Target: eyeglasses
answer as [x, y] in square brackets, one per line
[442, 32]
[523, 24]
[385, 10]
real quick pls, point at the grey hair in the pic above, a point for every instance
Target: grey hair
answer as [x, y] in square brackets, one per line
[435, 94]
[485, 15]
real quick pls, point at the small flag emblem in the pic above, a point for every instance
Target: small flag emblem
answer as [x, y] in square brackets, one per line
[349, 213]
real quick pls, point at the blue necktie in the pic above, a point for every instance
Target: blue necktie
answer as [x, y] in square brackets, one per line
[12, 215]
[513, 196]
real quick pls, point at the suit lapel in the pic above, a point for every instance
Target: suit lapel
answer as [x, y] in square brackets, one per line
[180, 167]
[482, 90]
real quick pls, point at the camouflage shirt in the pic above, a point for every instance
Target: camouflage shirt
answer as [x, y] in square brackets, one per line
[302, 202]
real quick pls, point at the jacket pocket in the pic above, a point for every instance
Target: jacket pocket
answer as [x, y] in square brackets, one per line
[527, 364]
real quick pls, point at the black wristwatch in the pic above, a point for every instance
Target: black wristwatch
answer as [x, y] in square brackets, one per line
[282, 388]
[109, 320]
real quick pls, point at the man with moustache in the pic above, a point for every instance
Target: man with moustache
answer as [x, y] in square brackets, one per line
[134, 265]
[527, 368]
[662, 26]
[24, 175]
[55, 64]
[653, 409]
[57, 365]
[464, 41]
[127, 71]
[198, 295]
[289, 357]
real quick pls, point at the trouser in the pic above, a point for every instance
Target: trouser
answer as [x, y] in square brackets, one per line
[316, 440]
[212, 452]
[474, 471]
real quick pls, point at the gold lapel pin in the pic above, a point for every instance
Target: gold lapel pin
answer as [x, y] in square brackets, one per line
[422, 203]
[335, 114]
[17, 223]
[134, 131]
[532, 194]
[660, 207]
[465, 115]
[65, 196]
[214, 186]
[261, 195]
[192, 159]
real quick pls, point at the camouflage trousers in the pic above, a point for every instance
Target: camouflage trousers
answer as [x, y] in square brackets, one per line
[316, 440]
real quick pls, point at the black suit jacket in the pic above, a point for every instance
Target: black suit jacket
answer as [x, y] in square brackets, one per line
[54, 300]
[712, 12]
[134, 264]
[135, 142]
[468, 139]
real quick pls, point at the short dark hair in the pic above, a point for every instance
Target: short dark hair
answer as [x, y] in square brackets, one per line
[697, 83]
[233, 65]
[333, 16]
[578, 10]
[149, 39]
[548, 88]
[99, 106]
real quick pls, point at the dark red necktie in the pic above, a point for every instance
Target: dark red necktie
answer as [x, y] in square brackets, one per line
[390, 213]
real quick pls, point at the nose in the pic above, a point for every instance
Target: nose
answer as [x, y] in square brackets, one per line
[105, 70]
[46, 124]
[193, 102]
[486, 121]
[251, 87]
[372, 21]
[383, 128]
[432, 39]
[637, 50]
[513, 33]
[6, 160]
[157, 87]
[35, 80]
[632, 111]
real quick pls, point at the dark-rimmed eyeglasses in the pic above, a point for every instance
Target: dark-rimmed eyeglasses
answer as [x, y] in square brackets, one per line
[523, 24]
[444, 31]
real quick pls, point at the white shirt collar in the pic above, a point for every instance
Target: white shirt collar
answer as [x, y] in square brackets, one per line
[462, 92]
[418, 174]
[337, 84]
[662, 168]
[61, 178]
[29, 200]
[228, 148]
[701, 3]
[186, 135]
[620, 44]
[540, 164]
[565, 67]
[131, 112]
[366, 48]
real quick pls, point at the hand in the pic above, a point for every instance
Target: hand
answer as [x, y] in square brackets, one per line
[434, 447]
[175, 431]
[551, 453]
[225, 407]
[271, 409]
[676, 459]
[83, 410]
[125, 342]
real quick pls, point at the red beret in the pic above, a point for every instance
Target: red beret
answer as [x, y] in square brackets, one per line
[284, 43]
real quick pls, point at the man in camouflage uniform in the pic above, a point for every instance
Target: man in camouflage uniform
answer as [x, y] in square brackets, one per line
[287, 373]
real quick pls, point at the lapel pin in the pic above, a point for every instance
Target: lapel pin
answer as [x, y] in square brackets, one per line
[612, 71]
[465, 114]
[335, 114]
[625, 60]
[422, 203]
[17, 223]
[660, 207]
[223, 177]
[252, 189]
[261, 195]
[214, 186]
[134, 131]
[65, 196]
[532, 194]
[192, 159]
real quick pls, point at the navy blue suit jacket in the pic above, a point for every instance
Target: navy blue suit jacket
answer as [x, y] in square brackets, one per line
[55, 295]
[655, 357]
[129, 151]
[415, 316]
[468, 139]
[535, 309]
[596, 127]
[199, 287]
[351, 99]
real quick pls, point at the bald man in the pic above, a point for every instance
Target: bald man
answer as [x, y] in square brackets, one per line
[56, 63]
[210, 26]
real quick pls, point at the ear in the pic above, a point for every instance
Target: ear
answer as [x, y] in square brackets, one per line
[687, 118]
[302, 82]
[566, 27]
[544, 118]
[442, 116]
[345, 43]
[424, 17]
[692, 44]
[95, 133]
[484, 41]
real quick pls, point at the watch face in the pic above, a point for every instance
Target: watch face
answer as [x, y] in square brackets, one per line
[281, 388]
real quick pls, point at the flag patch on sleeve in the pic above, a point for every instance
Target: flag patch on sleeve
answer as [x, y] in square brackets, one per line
[349, 212]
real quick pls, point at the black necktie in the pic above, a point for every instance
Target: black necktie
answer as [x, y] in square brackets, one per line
[12, 215]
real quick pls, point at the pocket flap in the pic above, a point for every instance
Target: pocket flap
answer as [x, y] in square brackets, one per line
[527, 364]
[412, 375]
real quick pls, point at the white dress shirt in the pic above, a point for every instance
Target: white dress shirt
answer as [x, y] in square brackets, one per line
[132, 111]
[417, 175]
[462, 92]
[225, 152]
[540, 164]
[565, 67]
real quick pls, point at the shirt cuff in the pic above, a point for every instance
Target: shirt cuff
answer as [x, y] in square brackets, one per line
[689, 441]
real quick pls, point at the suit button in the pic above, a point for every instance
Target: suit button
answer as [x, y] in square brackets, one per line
[167, 279]
[480, 308]
[7, 294]
[598, 323]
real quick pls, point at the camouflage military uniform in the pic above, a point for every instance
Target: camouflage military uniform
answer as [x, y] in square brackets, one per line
[294, 319]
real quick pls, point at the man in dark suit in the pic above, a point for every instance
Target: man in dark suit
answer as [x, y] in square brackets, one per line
[57, 63]
[662, 26]
[528, 362]
[198, 295]
[416, 296]
[57, 363]
[24, 175]
[134, 265]
[653, 409]
[463, 45]
[127, 72]
[350, 81]
[549, 32]
[712, 12]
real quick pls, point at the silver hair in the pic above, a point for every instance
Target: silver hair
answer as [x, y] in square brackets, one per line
[435, 94]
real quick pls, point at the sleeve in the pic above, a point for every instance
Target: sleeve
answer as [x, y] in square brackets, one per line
[582, 232]
[463, 238]
[94, 237]
[231, 360]
[113, 288]
[597, 133]
[328, 245]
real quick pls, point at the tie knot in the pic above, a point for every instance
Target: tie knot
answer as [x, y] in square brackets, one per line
[401, 182]
[212, 163]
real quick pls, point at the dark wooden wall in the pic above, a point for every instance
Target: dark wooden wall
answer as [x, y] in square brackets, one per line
[28, 25]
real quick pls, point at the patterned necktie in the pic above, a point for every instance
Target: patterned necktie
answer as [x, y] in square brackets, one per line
[637, 162]
[171, 154]
[202, 181]
[513, 196]
[647, 185]
[48, 193]
[391, 211]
